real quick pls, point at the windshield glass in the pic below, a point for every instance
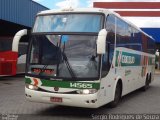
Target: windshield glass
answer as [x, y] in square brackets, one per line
[68, 23]
[64, 56]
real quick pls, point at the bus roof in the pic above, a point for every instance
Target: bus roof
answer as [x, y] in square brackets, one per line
[76, 10]
[94, 10]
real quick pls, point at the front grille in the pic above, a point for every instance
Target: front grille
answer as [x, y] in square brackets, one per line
[72, 92]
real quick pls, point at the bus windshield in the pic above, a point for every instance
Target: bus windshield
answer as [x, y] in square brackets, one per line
[68, 23]
[64, 56]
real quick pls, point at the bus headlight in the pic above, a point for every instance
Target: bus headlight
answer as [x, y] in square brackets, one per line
[87, 91]
[32, 87]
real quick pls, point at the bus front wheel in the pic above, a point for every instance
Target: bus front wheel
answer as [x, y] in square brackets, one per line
[117, 95]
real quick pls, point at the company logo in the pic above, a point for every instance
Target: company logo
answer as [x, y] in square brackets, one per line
[56, 89]
[125, 59]
[128, 59]
[119, 58]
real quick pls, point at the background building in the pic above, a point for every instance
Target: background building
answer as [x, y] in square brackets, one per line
[16, 15]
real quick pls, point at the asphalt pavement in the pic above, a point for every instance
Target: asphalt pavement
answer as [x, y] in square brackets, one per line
[13, 104]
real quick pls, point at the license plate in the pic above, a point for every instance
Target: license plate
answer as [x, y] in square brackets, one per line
[55, 99]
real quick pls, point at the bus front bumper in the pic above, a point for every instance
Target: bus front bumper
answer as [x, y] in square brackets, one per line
[76, 100]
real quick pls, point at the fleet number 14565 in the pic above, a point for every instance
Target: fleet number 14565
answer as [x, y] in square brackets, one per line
[81, 85]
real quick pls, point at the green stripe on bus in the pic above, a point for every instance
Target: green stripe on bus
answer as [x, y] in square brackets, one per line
[70, 84]
[67, 84]
[127, 59]
[28, 80]
[130, 59]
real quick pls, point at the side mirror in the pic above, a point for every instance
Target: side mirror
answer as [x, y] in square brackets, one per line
[101, 42]
[17, 38]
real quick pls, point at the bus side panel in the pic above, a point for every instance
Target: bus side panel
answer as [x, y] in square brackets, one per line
[8, 63]
[106, 89]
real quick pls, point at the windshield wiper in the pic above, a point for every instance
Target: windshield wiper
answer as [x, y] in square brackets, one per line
[66, 61]
[62, 54]
[68, 66]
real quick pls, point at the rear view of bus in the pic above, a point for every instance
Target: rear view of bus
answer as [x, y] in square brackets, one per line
[63, 66]
[8, 58]
[13, 54]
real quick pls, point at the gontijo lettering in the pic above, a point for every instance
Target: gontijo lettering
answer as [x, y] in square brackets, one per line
[128, 59]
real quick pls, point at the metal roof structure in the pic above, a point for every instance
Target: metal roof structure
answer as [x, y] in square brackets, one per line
[154, 32]
[21, 12]
[16, 15]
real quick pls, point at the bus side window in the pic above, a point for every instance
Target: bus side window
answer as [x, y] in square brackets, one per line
[110, 40]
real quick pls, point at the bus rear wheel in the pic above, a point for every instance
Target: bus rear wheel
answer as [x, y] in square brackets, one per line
[146, 86]
[117, 96]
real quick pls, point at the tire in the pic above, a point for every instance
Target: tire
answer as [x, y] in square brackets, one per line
[146, 86]
[117, 96]
[150, 78]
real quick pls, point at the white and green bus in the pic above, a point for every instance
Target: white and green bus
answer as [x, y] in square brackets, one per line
[86, 58]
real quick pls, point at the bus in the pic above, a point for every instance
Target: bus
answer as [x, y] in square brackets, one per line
[13, 54]
[86, 58]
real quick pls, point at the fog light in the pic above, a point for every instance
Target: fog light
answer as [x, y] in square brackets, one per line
[28, 95]
[93, 101]
[87, 101]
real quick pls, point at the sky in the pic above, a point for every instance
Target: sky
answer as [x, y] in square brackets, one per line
[142, 22]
